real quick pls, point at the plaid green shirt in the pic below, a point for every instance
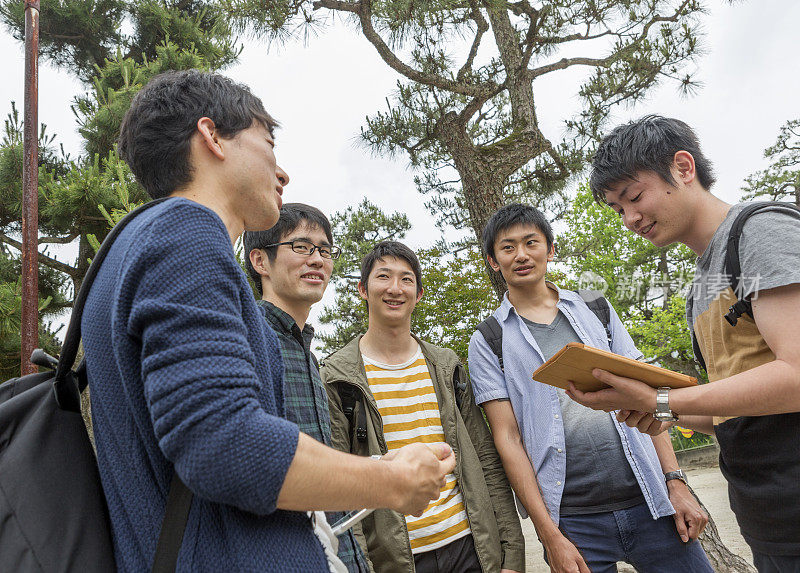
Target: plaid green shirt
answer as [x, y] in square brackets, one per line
[306, 404]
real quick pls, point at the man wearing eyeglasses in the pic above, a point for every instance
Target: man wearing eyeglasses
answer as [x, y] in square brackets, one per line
[291, 264]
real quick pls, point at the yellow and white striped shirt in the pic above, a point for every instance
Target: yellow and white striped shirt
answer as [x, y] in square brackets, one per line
[410, 412]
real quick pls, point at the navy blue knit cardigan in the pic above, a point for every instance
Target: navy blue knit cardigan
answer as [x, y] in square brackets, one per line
[184, 373]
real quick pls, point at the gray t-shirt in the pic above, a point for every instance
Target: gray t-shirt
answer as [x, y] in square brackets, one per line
[595, 459]
[759, 455]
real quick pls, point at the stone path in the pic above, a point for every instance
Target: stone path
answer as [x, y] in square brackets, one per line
[710, 487]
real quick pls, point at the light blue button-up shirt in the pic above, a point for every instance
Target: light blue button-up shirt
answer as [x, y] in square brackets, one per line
[536, 405]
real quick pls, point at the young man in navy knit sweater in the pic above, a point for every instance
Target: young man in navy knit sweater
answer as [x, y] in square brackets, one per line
[186, 375]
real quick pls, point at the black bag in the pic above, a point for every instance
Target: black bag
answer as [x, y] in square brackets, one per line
[733, 268]
[53, 515]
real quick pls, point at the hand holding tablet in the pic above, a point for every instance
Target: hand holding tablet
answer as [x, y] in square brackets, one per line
[575, 363]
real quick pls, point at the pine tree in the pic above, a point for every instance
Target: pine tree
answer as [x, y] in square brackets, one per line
[464, 111]
[781, 180]
[114, 48]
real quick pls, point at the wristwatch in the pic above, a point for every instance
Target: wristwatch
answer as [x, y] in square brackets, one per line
[677, 474]
[663, 413]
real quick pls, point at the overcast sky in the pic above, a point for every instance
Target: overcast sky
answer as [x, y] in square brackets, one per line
[322, 91]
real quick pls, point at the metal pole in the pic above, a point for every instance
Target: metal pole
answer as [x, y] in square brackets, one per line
[30, 191]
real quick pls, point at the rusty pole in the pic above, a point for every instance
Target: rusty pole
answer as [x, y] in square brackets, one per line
[30, 191]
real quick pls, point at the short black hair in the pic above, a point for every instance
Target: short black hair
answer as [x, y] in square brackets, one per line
[292, 216]
[394, 249]
[511, 215]
[156, 131]
[648, 144]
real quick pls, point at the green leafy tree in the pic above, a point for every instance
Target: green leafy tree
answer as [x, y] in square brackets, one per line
[457, 293]
[464, 111]
[114, 48]
[356, 230]
[781, 180]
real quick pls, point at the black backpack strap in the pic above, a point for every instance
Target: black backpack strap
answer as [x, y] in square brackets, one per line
[459, 385]
[698, 353]
[179, 500]
[493, 334]
[733, 268]
[598, 304]
[64, 385]
[350, 395]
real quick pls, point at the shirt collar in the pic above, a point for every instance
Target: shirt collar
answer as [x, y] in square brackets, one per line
[282, 320]
[563, 296]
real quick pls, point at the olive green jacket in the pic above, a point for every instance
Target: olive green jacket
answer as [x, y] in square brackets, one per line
[487, 495]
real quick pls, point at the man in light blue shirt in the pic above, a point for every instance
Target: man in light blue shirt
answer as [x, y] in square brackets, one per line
[594, 488]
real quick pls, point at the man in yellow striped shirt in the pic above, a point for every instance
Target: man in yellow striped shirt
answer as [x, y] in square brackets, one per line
[410, 391]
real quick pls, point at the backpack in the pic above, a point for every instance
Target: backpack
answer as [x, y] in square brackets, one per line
[53, 515]
[733, 268]
[597, 303]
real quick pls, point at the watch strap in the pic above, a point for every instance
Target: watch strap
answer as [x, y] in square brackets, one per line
[677, 474]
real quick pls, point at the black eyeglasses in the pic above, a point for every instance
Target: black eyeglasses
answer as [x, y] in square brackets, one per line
[303, 247]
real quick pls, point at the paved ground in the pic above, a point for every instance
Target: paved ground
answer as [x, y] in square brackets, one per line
[710, 487]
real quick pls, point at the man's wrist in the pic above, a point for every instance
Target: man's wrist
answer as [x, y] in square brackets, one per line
[675, 478]
[548, 533]
[662, 411]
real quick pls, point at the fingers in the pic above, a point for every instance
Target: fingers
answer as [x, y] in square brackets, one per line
[622, 415]
[680, 525]
[441, 449]
[649, 425]
[697, 523]
[636, 418]
[594, 400]
[446, 456]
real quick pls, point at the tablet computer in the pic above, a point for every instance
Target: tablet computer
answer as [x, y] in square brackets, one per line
[576, 361]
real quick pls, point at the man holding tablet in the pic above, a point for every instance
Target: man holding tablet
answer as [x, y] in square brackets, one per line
[654, 174]
[594, 488]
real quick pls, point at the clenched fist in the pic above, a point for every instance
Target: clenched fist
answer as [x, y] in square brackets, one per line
[419, 471]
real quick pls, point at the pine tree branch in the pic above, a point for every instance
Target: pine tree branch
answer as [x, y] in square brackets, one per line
[603, 62]
[482, 26]
[43, 259]
[363, 9]
[60, 240]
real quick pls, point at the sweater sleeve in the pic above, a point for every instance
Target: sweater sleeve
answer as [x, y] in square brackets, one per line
[203, 386]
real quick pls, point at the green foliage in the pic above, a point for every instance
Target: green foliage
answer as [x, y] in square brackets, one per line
[114, 47]
[94, 30]
[458, 295]
[356, 231]
[464, 110]
[646, 284]
[696, 440]
[52, 302]
[781, 180]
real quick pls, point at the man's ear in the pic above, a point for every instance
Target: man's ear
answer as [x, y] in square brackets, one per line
[551, 255]
[421, 292]
[210, 138]
[493, 263]
[362, 290]
[683, 164]
[260, 262]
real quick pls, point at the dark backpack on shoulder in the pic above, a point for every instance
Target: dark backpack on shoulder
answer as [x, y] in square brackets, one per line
[597, 303]
[53, 515]
[733, 268]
